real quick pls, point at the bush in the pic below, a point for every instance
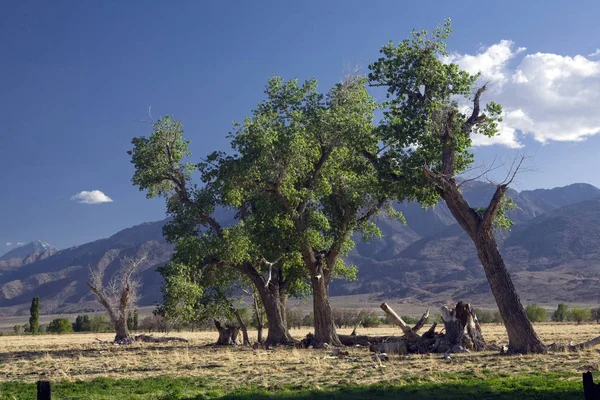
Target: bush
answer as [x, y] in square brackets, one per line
[484, 316]
[498, 317]
[294, 318]
[579, 315]
[60, 325]
[82, 324]
[536, 313]
[560, 314]
[595, 314]
[99, 323]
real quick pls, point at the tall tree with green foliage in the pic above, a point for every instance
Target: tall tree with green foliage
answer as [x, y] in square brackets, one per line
[136, 319]
[428, 139]
[561, 313]
[209, 255]
[301, 152]
[34, 318]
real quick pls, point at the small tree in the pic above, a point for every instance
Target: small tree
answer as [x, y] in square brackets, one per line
[580, 314]
[498, 317]
[118, 295]
[595, 313]
[34, 318]
[484, 316]
[560, 314]
[130, 321]
[60, 325]
[136, 319]
[536, 313]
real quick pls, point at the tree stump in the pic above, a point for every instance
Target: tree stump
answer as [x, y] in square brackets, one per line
[228, 335]
[462, 329]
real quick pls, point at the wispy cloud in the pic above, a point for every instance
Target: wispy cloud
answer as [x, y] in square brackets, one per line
[91, 197]
[20, 243]
[9, 244]
[594, 54]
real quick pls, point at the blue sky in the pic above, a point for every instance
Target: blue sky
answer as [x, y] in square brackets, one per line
[78, 77]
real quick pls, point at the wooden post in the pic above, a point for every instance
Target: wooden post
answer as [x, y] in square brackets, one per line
[44, 391]
[591, 390]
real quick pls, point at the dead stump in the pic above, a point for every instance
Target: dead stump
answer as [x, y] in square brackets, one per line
[228, 334]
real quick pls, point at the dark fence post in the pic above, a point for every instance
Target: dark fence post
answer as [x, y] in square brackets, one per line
[44, 391]
[591, 391]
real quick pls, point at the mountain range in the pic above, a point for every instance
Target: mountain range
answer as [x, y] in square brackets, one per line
[551, 251]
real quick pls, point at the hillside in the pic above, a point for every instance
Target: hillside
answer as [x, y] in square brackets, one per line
[551, 251]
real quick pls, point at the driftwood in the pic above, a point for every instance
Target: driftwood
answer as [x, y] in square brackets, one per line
[160, 339]
[462, 333]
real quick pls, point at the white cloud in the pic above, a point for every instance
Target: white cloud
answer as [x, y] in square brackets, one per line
[594, 54]
[20, 243]
[91, 197]
[549, 96]
[9, 244]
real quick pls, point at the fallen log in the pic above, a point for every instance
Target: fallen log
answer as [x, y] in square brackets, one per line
[363, 340]
[160, 339]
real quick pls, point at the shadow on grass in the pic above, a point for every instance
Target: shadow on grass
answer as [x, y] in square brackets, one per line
[462, 386]
[447, 391]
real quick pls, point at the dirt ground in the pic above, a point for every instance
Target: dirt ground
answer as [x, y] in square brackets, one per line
[82, 357]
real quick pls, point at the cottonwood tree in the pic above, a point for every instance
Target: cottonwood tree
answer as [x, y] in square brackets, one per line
[251, 248]
[428, 135]
[118, 295]
[300, 151]
[34, 318]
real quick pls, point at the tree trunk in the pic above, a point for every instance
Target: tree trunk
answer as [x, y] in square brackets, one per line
[240, 321]
[272, 296]
[325, 331]
[521, 335]
[276, 319]
[122, 332]
[228, 335]
[462, 330]
[259, 318]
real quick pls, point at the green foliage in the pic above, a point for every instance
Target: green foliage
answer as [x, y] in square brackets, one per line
[17, 329]
[129, 321]
[595, 314]
[561, 313]
[136, 318]
[82, 324]
[498, 317]
[484, 316]
[34, 313]
[99, 323]
[536, 313]
[424, 95]
[60, 325]
[579, 314]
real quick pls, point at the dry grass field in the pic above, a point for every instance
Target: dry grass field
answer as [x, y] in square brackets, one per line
[80, 357]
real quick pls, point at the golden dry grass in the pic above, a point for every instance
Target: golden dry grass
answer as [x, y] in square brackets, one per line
[81, 357]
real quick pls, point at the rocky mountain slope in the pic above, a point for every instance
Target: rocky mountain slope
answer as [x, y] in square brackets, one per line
[551, 252]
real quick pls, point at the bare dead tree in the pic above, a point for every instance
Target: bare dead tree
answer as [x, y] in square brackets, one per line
[118, 296]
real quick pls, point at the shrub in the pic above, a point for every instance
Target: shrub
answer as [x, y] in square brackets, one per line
[82, 324]
[498, 317]
[99, 323]
[294, 318]
[595, 314]
[560, 314]
[579, 315]
[60, 325]
[536, 313]
[484, 316]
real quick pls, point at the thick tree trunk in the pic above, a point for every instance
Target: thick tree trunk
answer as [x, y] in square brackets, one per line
[462, 330]
[521, 335]
[272, 295]
[276, 319]
[325, 331]
[122, 332]
[228, 334]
